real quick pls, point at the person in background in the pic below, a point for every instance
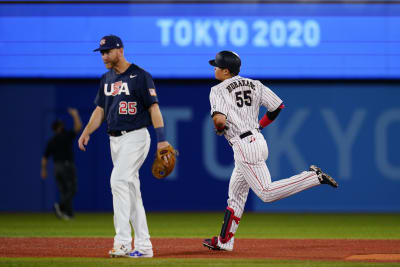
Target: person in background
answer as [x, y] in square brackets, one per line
[60, 147]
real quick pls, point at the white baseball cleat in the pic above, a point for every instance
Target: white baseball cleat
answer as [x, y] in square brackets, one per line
[215, 243]
[228, 246]
[140, 254]
[121, 251]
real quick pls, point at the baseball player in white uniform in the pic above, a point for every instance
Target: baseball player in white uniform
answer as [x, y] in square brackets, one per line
[235, 105]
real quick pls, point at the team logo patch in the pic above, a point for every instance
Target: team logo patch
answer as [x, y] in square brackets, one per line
[102, 41]
[117, 87]
[152, 92]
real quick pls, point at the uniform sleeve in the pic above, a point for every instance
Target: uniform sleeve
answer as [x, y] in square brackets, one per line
[100, 97]
[217, 102]
[148, 92]
[269, 99]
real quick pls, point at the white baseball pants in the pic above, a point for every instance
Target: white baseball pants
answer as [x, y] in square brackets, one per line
[128, 153]
[250, 154]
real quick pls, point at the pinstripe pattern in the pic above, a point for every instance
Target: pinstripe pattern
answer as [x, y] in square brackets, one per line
[256, 173]
[225, 97]
[251, 152]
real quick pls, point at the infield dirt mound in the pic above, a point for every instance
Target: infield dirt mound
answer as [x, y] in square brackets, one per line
[294, 249]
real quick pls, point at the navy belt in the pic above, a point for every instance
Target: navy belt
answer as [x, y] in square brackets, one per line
[118, 133]
[244, 135]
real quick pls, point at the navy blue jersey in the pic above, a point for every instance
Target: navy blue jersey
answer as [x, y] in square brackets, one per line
[126, 98]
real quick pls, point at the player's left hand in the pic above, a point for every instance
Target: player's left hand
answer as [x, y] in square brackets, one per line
[164, 162]
[161, 145]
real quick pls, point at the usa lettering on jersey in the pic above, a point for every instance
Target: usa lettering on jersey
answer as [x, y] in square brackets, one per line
[116, 88]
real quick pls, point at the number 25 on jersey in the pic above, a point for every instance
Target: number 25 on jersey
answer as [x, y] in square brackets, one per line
[127, 108]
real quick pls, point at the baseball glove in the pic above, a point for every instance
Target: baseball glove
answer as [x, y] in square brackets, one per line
[164, 162]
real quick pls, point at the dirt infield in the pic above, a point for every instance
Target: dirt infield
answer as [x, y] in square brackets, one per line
[293, 249]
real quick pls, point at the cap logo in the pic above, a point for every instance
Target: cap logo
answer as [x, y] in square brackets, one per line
[102, 41]
[117, 44]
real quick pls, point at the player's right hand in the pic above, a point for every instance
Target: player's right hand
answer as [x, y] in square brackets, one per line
[161, 145]
[83, 141]
[221, 132]
[73, 111]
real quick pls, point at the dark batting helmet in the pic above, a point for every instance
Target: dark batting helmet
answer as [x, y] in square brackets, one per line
[227, 60]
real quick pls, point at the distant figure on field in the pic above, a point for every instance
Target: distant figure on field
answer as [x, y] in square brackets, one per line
[60, 148]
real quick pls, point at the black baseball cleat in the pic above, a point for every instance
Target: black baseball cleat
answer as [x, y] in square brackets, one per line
[211, 243]
[323, 177]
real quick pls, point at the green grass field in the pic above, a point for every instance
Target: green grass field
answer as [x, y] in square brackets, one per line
[199, 225]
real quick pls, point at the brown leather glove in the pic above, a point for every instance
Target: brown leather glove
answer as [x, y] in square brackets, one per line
[164, 162]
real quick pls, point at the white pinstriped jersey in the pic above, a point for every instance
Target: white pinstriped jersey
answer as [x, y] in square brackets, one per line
[240, 99]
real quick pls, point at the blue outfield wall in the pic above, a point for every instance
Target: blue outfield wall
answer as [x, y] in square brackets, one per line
[350, 129]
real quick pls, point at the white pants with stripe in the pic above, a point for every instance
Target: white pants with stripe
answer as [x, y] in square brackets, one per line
[128, 153]
[250, 154]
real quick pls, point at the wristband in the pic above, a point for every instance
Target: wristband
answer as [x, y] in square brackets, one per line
[160, 134]
[264, 121]
[270, 117]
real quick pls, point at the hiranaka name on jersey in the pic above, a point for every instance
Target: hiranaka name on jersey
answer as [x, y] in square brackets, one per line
[238, 83]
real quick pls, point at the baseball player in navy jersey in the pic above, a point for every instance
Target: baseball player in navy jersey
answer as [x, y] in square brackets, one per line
[127, 100]
[235, 105]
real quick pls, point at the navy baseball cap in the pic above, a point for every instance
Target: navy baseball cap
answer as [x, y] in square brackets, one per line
[109, 42]
[227, 60]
